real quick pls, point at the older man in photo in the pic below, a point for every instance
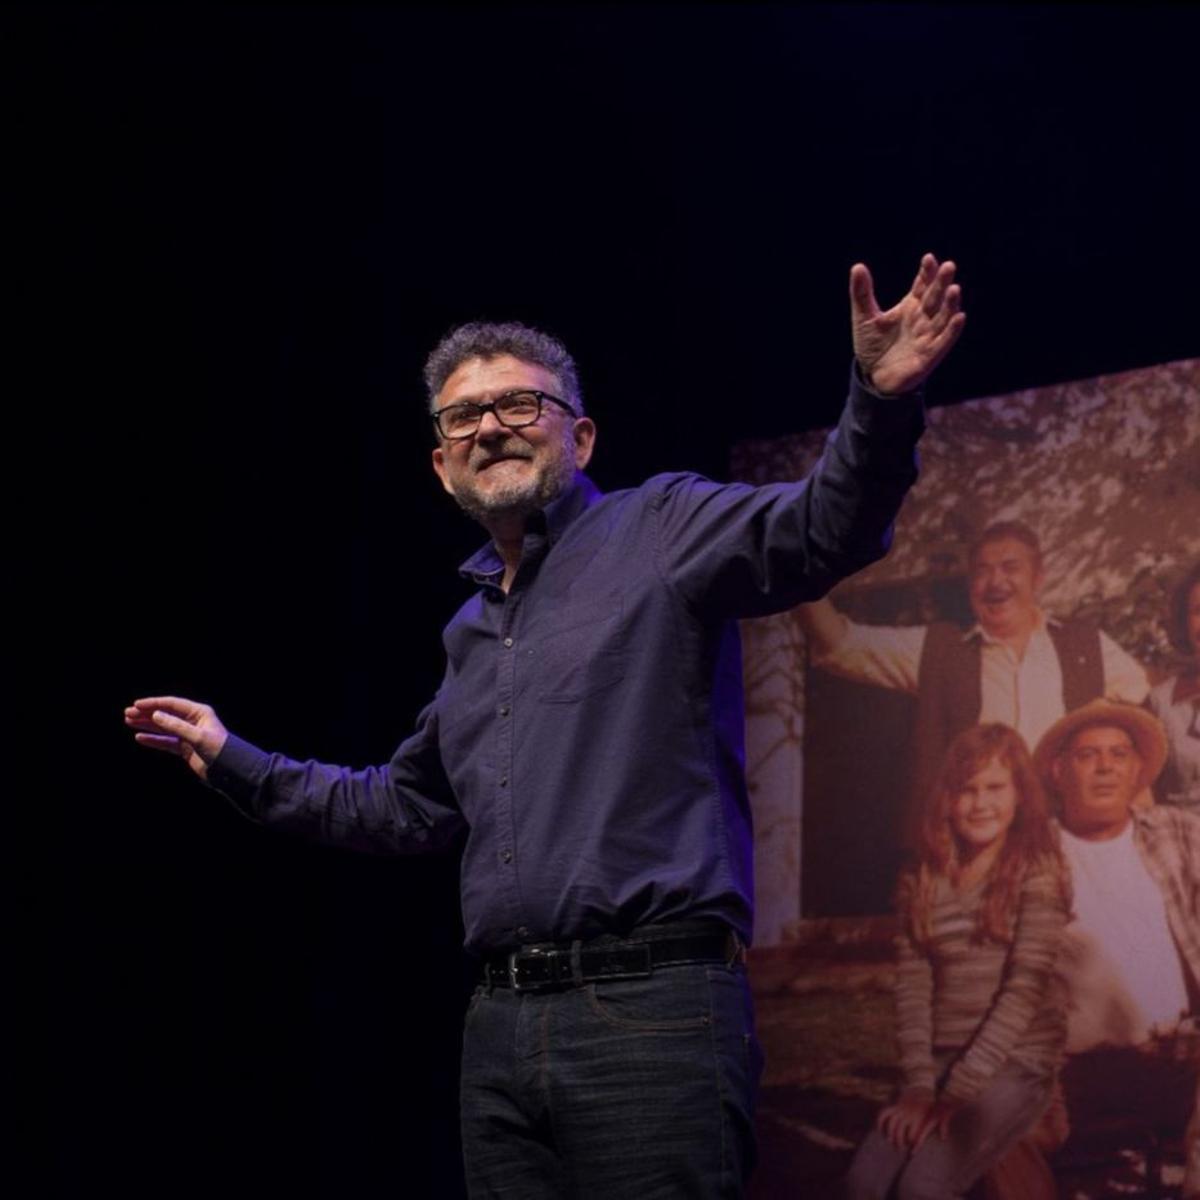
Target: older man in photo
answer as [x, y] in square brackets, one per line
[1132, 958]
[1016, 664]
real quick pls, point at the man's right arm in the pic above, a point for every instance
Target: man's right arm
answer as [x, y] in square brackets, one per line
[406, 806]
[884, 655]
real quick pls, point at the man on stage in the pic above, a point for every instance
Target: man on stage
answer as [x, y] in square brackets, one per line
[587, 735]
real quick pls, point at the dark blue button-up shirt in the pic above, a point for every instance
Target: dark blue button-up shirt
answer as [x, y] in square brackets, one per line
[588, 732]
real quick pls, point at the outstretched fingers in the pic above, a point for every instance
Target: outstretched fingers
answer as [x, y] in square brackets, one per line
[178, 726]
[935, 293]
[927, 271]
[178, 719]
[863, 304]
[172, 714]
[949, 307]
[177, 705]
[158, 741]
[184, 730]
[947, 334]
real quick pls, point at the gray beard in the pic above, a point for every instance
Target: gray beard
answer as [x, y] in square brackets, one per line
[520, 500]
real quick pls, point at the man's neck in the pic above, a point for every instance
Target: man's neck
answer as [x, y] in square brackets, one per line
[1017, 638]
[507, 531]
[509, 528]
[1104, 833]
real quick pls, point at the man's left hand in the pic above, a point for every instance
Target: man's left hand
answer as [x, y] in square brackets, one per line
[897, 350]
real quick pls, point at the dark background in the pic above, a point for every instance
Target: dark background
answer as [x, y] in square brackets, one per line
[236, 234]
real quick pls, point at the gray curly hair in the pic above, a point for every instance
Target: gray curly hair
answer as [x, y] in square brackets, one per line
[486, 340]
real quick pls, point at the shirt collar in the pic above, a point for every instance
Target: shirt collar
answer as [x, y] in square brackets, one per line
[1041, 622]
[485, 566]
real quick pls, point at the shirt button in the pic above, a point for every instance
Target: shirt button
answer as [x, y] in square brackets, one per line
[504, 710]
[504, 781]
[506, 856]
[508, 643]
[522, 931]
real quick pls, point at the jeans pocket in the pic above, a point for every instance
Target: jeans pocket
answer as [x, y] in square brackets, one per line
[473, 1003]
[653, 1005]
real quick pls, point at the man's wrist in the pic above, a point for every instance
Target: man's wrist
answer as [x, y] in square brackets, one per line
[900, 416]
[237, 769]
[868, 384]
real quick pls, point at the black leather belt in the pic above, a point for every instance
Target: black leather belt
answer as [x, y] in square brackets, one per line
[550, 966]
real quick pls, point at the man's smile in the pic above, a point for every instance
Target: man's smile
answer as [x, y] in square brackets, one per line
[496, 459]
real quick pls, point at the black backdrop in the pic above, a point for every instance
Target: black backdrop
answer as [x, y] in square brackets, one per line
[236, 233]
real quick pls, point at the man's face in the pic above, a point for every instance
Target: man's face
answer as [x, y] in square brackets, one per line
[1004, 586]
[1098, 775]
[498, 473]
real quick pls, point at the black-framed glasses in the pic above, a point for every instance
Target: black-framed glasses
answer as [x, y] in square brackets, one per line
[513, 410]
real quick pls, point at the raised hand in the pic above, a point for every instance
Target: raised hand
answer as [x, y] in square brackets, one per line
[180, 727]
[898, 349]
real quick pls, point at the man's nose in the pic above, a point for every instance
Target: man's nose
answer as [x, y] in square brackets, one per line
[490, 427]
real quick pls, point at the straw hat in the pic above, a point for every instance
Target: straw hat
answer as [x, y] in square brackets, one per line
[1144, 729]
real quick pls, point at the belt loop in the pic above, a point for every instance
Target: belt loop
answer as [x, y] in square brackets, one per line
[577, 963]
[487, 979]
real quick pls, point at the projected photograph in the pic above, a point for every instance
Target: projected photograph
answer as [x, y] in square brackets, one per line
[920, 945]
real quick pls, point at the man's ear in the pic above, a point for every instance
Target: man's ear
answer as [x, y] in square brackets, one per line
[584, 436]
[1143, 781]
[439, 469]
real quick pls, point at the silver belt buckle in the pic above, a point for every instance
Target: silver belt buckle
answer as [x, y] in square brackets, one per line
[514, 981]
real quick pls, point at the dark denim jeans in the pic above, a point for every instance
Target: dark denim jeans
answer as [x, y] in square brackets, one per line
[637, 1088]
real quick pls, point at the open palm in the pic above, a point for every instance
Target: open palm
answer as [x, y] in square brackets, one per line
[899, 348]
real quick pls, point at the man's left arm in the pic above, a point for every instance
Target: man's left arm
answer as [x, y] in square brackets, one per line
[1168, 838]
[744, 551]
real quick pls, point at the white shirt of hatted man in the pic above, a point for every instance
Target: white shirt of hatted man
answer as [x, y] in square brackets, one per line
[1125, 974]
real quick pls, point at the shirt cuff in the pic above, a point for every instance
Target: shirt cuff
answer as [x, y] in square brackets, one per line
[238, 771]
[902, 414]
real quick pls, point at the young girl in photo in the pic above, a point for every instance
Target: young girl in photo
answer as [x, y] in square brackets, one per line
[981, 1012]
